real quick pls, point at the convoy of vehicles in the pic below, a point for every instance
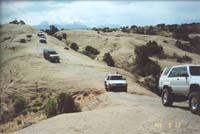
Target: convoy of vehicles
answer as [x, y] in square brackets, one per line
[115, 82]
[177, 83]
[182, 83]
[42, 37]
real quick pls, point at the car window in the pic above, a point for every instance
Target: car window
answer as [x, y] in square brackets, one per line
[183, 72]
[166, 71]
[178, 72]
[116, 78]
[195, 70]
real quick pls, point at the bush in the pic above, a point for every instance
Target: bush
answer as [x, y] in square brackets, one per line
[91, 52]
[16, 22]
[150, 49]
[65, 36]
[108, 59]
[74, 46]
[29, 36]
[144, 65]
[52, 29]
[50, 108]
[22, 40]
[65, 103]
[186, 58]
[19, 104]
[19, 122]
[183, 46]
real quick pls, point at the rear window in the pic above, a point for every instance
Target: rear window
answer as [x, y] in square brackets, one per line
[116, 78]
[195, 70]
[52, 52]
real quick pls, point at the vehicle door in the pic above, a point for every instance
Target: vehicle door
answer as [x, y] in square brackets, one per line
[178, 79]
[182, 80]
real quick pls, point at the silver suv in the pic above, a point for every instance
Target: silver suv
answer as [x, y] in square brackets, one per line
[181, 83]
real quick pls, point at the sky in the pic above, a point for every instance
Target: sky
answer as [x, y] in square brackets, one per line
[96, 13]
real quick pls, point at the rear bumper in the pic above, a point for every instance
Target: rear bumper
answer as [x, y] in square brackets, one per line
[118, 88]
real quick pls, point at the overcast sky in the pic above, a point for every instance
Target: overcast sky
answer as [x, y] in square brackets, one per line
[95, 13]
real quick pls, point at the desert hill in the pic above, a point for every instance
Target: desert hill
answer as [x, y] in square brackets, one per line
[121, 45]
[24, 71]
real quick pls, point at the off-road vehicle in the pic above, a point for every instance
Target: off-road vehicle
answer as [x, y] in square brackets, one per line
[115, 82]
[51, 55]
[181, 83]
[43, 40]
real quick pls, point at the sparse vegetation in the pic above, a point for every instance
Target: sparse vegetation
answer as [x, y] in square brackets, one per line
[19, 122]
[183, 46]
[19, 104]
[65, 103]
[29, 36]
[91, 52]
[108, 59]
[74, 46]
[64, 36]
[51, 108]
[150, 49]
[52, 29]
[21, 22]
[22, 41]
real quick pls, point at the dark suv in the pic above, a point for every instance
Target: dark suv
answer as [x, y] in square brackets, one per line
[51, 55]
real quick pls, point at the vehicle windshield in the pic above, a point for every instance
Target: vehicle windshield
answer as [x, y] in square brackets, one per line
[52, 52]
[116, 78]
[195, 70]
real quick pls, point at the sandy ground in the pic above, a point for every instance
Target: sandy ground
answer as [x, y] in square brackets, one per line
[123, 113]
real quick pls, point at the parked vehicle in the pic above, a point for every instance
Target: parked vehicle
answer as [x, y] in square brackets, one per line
[51, 55]
[115, 82]
[181, 83]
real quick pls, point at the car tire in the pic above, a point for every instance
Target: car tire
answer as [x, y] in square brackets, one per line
[194, 102]
[167, 98]
[125, 89]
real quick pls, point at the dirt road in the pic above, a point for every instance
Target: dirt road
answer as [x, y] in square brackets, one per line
[123, 114]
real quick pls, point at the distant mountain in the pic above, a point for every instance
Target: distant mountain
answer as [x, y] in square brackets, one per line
[73, 25]
[109, 25]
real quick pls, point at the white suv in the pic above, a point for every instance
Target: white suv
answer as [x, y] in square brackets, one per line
[115, 82]
[180, 83]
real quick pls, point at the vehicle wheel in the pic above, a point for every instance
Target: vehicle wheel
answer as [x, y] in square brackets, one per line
[125, 89]
[106, 87]
[194, 102]
[167, 98]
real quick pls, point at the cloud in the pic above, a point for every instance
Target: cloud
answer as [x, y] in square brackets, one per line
[94, 13]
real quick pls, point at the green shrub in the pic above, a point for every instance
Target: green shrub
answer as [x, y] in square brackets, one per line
[19, 122]
[108, 59]
[65, 103]
[29, 36]
[22, 40]
[91, 52]
[65, 36]
[19, 104]
[50, 108]
[74, 46]
[186, 58]
[183, 46]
